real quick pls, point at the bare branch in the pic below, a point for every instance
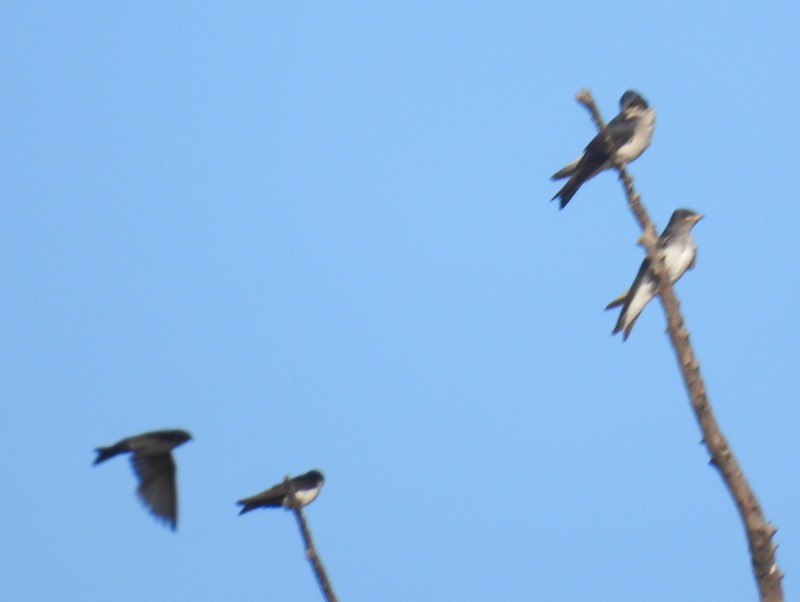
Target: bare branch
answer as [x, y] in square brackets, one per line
[759, 532]
[311, 552]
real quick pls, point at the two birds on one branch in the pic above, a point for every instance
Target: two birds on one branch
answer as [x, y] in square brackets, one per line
[623, 140]
[151, 458]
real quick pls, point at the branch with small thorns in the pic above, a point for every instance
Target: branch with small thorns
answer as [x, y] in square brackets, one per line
[759, 532]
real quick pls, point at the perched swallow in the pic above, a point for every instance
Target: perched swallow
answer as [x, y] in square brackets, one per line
[629, 134]
[153, 464]
[680, 253]
[305, 488]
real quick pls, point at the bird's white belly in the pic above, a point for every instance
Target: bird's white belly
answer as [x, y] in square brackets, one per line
[306, 496]
[678, 260]
[640, 139]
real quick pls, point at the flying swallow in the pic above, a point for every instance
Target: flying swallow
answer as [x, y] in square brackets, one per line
[629, 134]
[154, 467]
[305, 488]
[680, 253]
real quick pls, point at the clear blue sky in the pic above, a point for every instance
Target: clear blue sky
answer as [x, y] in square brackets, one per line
[318, 234]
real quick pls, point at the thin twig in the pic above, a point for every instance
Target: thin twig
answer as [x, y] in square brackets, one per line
[759, 531]
[311, 552]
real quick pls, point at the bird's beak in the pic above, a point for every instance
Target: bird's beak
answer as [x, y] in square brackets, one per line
[696, 218]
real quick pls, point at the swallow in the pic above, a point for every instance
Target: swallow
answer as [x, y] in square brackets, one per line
[305, 488]
[154, 467]
[629, 134]
[680, 254]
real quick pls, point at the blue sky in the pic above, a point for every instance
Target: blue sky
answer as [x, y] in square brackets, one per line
[319, 235]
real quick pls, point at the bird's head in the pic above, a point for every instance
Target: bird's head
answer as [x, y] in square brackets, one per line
[632, 101]
[316, 475]
[176, 436]
[686, 215]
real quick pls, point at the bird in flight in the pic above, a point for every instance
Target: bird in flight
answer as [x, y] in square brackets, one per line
[152, 462]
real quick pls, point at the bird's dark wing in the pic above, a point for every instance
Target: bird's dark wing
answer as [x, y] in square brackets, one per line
[667, 236]
[270, 498]
[641, 277]
[589, 165]
[156, 473]
[596, 157]
[619, 130]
